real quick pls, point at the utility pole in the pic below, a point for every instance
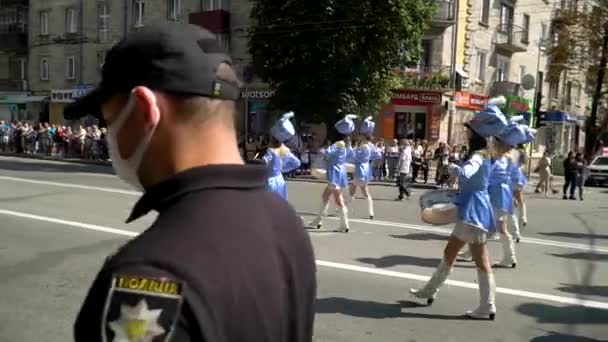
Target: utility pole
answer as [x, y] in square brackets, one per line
[452, 107]
[592, 131]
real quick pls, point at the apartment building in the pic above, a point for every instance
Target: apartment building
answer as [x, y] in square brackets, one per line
[13, 59]
[68, 40]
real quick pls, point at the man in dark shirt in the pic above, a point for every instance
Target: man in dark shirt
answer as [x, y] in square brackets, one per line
[225, 260]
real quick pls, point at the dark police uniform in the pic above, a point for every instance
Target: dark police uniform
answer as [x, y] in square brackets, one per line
[225, 260]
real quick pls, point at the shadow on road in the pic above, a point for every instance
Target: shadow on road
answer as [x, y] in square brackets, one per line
[574, 235]
[396, 260]
[32, 165]
[571, 315]
[586, 290]
[582, 256]
[44, 261]
[29, 197]
[422, 237]
[559, 337]
[374, 310]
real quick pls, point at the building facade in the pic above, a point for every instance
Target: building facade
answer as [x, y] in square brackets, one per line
[13, 59]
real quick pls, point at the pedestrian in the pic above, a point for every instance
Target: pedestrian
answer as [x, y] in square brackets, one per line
[362, 156]
[405, 170]
[570, 175]
[518, 182]
[545, 174]
[213, 266]
[475, 215]
[581, 176]
[335, 157]
[279, 157]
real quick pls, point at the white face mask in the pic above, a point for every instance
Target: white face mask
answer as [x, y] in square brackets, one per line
[127, 169]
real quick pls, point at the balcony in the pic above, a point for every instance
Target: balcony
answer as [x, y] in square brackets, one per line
[432, 77]
[443, 18]
[13, 85]
[511, 38]
[13, 41]
[216, 21]
[505, 88]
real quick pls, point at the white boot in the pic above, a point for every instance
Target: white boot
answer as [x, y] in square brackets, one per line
[370, 207]
[523, 214]
[344, 227]
[508, 251]
[514, 222]
[429, 291]
[465, 255]
[487, 293]
[318, 221]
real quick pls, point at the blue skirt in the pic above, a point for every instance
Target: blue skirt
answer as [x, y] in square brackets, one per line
[336, 175]
[501, 197]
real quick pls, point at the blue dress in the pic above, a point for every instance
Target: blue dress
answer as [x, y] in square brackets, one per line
[335, 157]
[279, 161]
[501, 191]
[518, 179]
[473, 201]
[361, 157]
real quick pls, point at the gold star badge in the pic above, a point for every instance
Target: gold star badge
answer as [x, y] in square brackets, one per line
[137, 324]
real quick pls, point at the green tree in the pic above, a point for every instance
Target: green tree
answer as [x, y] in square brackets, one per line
[328, 57]
[581, 42]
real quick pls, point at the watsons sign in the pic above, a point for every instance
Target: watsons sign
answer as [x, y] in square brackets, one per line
[416, 98]
[257, 94]
[68, 95]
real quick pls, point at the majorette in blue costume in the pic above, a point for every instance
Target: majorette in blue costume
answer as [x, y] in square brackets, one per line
[361, 156]
[278, 157]
[519, 181]
[335, 159]
[475, 216]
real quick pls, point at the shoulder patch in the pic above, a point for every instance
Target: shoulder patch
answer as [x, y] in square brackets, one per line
[141, 309]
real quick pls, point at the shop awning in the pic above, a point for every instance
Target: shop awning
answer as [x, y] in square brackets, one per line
[462, 73]
[22, 99]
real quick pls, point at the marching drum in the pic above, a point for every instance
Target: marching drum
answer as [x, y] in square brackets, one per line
[438, 207]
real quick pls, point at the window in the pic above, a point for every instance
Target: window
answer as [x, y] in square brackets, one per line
[543, 32]
[506, 17]
[503, 68]
[71, 21]
[569, 93]
[44, 69]
[70, 68]
[44, 23]
[22, 69]
[212, 5]
[554, 89]
[173, 9]
[579, 94]
[481, 65]
[525, 36]
[103, 23]
[101, 58]
[522, 73]
[485, 12]
[138, 13]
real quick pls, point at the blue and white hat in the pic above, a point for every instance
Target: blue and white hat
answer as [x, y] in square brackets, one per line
[489, 122]
[283, 129]
[367, 126]
[346, 126]
[517, 134]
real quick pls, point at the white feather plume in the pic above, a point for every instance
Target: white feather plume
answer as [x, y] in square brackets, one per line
[517, 118]
[369, 118]
[498, 101]
[351, 116]
[534, 131]
[288, 115]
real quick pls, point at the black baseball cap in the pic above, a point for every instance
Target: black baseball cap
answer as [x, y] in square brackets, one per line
[172, 57]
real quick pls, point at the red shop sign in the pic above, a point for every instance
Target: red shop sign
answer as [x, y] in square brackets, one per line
[415, 98]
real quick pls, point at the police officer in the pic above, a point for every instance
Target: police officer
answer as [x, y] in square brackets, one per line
[225, 260]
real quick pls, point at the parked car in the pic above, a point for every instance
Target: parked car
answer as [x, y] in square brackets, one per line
[598, 171]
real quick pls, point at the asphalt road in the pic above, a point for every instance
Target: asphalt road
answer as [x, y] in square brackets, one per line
[59, 221]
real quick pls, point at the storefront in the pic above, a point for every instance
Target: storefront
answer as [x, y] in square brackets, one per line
[254, 104]
[467, 104]
[60, 98]
[13, 106]
[412, 114]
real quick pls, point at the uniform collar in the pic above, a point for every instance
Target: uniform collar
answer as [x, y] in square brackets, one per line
[162, 195]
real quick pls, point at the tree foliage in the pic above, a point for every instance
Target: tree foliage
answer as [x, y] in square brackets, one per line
[328, 57]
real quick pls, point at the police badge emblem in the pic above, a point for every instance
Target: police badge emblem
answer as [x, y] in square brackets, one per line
[141, 309]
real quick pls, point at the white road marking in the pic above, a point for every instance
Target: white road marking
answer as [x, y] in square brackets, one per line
[341, 266]
[444, 231]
